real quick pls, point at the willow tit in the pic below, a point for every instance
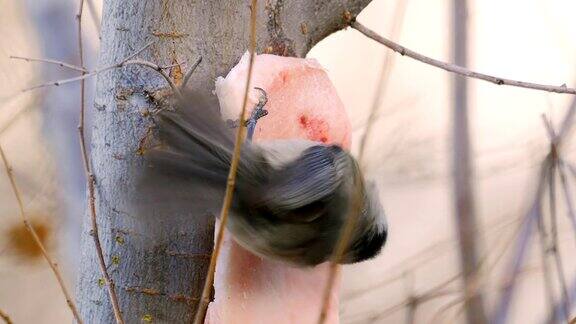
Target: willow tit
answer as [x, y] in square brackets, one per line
[291, 198]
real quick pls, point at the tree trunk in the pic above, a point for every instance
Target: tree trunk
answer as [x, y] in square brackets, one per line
[160, 281]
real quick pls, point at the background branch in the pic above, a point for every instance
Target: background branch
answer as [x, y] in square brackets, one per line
[231, 181]
[5, 317]
[53, 265]
[456, 68]
[91, 180]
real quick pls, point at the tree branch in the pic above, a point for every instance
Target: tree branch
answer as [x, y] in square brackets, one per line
[49, 61]
[455, 68]
[92, 180]
[501, 313]
[204, 300]
[53, 265]
[5, 317]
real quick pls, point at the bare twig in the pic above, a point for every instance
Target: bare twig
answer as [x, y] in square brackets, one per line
[204, 300]
[49, 61]
[411, 297]
[19, 114]
[515, 264]
[53, 265]
[436, 318]
[420, 299]
[554, 248]
[501, 312]
[91, 180]
[384, 77]
[190, 72]
[458, 69]
[502, 222]
[559, 307]
[544, 246]
[455, 302]
[91, 73]
[343, 240]
[5, 317]
[160, 70]
[567, 194]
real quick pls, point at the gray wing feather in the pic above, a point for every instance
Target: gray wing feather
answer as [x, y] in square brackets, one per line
[310, 178]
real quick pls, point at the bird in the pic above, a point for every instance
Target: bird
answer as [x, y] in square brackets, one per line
[292, 197]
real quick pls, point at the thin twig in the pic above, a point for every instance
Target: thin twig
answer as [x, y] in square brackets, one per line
[567, 195]
[436, 318]
[204, 300]
[190, 72]
[91, 181]
[515, 264]
[411, 296]
[544, 246]
[53, 265]
[422, 298]
[438, 315]
[501, 312]
[343, 240]
[19, 114]
[558, 308]
[383, 80]
[455, 68]
[5, 317]
[160, 70]
[91, 73]
[555, 248]
[81, 78]
[49, 61]
[426, 254]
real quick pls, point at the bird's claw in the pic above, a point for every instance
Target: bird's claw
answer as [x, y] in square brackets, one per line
[257, 113]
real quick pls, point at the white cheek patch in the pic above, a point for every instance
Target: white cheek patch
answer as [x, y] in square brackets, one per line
[281, 152]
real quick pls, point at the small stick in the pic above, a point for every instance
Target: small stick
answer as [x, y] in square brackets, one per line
[567, 194]
[160, 70]
[204, 300]
[343, 240]
[5, 317]
[53, 265]
[554, 248]
[544, 249]
[91, 73]
[91, 181]
[455, 68]
[189, 73]
[49, 61]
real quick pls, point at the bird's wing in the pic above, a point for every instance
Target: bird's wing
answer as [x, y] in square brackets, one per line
[298, 190]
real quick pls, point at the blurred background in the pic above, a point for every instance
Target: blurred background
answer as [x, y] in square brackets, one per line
[408, 151]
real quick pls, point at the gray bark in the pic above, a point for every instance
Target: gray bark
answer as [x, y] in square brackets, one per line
[159, 280]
